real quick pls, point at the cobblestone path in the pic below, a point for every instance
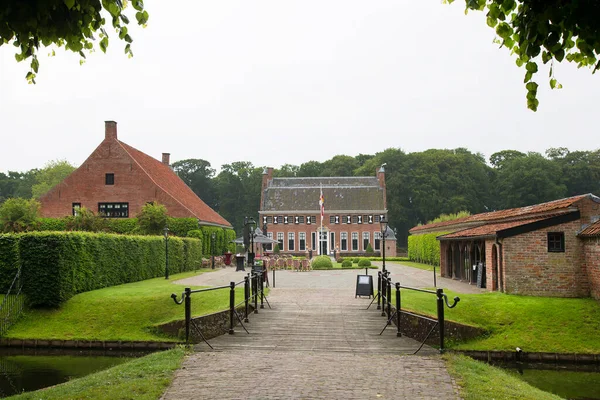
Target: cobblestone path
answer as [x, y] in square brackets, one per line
[313, 344]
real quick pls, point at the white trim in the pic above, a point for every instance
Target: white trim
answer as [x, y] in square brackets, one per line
[357, 241]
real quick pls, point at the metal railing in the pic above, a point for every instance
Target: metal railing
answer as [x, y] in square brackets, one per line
[385, 286]
[253, 290]
[12, 304]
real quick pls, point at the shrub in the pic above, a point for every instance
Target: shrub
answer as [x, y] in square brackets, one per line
[425, 248]
[322, 262]
[85, 220]
[341, 260]
[369, 249]
[347, 264]
[364, 262]
[18, 215]
[192, 253]
[152, 219]
[51, 224]
[276, 249]
[9, 260]
[355, 260]
[181, 226]
[124, 226]
[58, 265]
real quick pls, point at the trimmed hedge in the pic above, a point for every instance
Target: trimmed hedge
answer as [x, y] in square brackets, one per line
[58, 265]
[363, 262]
[322, 262]
[346, 264]
[9, 260]
[425, 248]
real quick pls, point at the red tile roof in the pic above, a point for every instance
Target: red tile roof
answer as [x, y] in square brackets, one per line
[164, 177]
[512, 213]
[490, 229]
[591, 230]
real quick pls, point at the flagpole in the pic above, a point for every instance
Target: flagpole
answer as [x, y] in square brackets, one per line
[321, 212]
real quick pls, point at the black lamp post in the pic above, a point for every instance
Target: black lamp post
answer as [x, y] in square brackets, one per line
[212, 249]
[384, 227]
[166, 233]
[265, 233]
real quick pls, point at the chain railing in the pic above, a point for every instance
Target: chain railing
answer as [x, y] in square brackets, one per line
[253, 290]
[12, 304]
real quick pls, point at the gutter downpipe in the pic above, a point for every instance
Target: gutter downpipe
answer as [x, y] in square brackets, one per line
[500, 267]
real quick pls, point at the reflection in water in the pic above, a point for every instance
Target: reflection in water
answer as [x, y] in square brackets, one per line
[30, 371]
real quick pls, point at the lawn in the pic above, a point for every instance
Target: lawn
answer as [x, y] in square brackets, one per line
[544, 324]
[412, 264]
[126, 312]
[144, 378]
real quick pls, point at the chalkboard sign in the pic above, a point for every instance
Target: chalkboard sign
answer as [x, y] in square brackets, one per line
[364, 285]
[479, 274]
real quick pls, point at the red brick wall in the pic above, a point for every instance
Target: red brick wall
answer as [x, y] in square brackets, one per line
[531, 270]
[86, 185]
[592, 264]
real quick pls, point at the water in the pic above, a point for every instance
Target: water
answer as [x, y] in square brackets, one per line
[25, 371]
[569, 382]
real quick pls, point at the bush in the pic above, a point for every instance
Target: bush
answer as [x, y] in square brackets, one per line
[192, 253]
[152, 219]
[364, 262]
[85, 220]
[347, 264]
[18, 215]
[51, 224]
[58, 265]
[322, 262]
[9, 260]
[276, 249]
[370, 249]
[425, 248]
[124, 226]
[181, 226]
[355, 260]
[341, 260]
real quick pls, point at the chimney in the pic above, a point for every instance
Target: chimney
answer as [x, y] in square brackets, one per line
[381, 178]
[166, 159]
[110, 130]
[266, 178]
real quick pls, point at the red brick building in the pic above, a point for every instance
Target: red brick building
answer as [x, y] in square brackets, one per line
[290, 212]
[116, 181]
[548, 249]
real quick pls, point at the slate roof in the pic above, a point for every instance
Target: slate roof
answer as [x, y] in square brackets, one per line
[556, 206]
[164, 177]
[592, 230]
[340, 193]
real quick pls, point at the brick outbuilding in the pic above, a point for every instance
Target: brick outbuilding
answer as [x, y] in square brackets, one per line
[548, 249]
[117, 180]
[353, 207]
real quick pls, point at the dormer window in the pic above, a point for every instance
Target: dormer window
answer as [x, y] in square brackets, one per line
[109, 179]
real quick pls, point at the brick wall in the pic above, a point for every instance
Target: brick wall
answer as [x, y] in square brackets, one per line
[86, 185]
[531, 270]
[592, 264]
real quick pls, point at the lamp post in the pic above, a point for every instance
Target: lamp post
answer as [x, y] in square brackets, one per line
[212, 249]
[166, 233]
[264, 233]
[384, 226]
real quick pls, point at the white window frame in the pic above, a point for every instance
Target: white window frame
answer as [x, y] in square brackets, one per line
[302, 241]
[343, 241]
[367, 236]
[281, 240]
[377, 241]
[269, 246]
[354, 237]
[291, 241]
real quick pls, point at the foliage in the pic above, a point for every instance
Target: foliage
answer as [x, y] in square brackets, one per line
[355, 260]
[85, 220]
[72, 24]
[276, 249]
[546, 31]
[424, 248]
[124, 226]
[9, 260]
[51, 224]
[62, 264]
[363, 262]
[198, 175]
[152, 219]
[449, 217]
[144, 378]
[321, 262]
[370, 248]
[346, 264]
[478, 380]
[18, 215]
[53, 173]
[16, 184]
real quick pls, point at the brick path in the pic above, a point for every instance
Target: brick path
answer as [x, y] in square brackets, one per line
[313, 344]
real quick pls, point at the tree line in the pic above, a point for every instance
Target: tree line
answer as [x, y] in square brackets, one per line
[420, 185]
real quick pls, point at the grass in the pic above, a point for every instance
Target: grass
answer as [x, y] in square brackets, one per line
[544, 324]
[479, 381]
[412, 264]
[125, 312]
[143, 378]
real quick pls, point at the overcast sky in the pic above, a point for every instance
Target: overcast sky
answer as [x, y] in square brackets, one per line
[275, 82]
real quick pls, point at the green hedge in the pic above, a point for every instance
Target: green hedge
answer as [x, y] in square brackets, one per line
[9, 260]
[58, 265]
[322, 262]
[425, 248]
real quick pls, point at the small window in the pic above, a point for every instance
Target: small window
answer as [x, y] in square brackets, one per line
[344, 241]
[556, 242]
[332, 219]
[110, 179]
[113, 210]
[354, 219]
[280, 240]
[76, 208]
[291, 241]
[269, 220]
[301, 219]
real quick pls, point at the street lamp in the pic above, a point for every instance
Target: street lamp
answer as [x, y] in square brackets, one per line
[166, 233]
[384, 227]
[212, 248]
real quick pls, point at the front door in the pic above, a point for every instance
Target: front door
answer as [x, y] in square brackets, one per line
[323, 243]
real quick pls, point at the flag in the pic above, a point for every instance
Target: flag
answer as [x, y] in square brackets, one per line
[322, 204]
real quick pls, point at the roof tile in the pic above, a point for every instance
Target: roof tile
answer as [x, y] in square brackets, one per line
[591, 230]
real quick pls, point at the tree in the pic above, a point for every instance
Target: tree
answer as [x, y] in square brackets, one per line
[500, 158]
[53, 173]
[310, 168]
[286, 171]
[198, 175]
[544, 30]
[152, 219]
[16, 184]
[18, 214]
[72, 24]
[340, 165]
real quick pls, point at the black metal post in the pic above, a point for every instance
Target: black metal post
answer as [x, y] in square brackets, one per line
[389, 296]
[398, 304]
[231, 306]
[166, 253]
[255, 284]
[262, 288]
[378, 290]
[273, 277]
[246, 296]
[383, 235]
[434, 277]
[440, 311]
[383, 292]
[188, 312]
